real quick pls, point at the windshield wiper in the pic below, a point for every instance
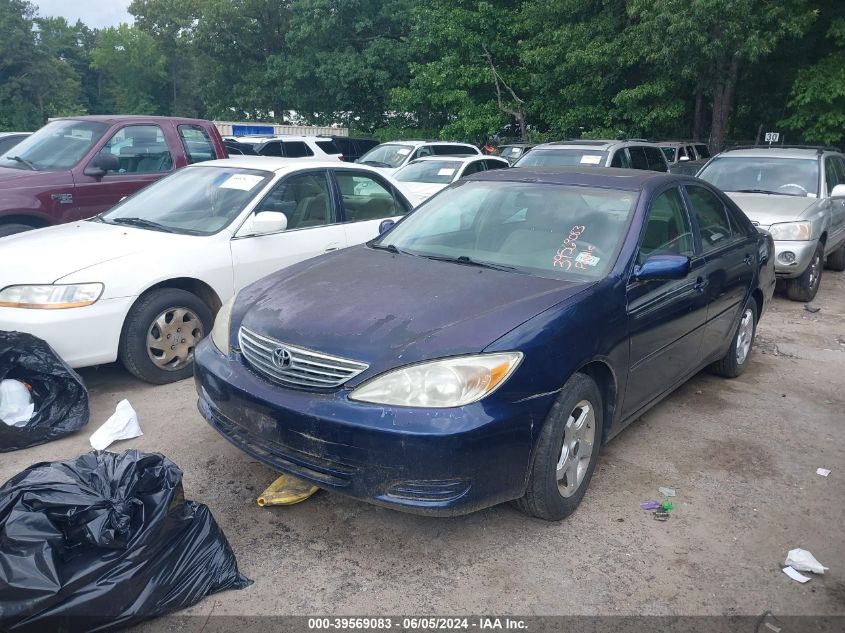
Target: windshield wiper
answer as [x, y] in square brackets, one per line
[143, 223]
[376, 163]
[22, 161]
[463, 259]
[390, 248]
[774, 193]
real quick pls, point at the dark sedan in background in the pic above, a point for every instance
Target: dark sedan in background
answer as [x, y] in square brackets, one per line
[483, 348]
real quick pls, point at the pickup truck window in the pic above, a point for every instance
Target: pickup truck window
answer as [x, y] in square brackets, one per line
[141, 149]
[197, 144]
[57, 145]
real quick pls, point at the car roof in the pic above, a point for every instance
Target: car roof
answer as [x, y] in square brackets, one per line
[278, 164]
[678, 143]
[779, 152]
[118, 118]
[417, 143]
[460, 158]
[588, 144]
[610, 177]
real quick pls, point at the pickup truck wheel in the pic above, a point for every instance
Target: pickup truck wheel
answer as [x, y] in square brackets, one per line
[735, 361]
[160, 334]
[566, 453]
[11, 229]
[836, 260]
[805, 286]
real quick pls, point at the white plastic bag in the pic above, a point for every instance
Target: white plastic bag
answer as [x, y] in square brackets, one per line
[802, 560]
[16, 405]
[122, 425]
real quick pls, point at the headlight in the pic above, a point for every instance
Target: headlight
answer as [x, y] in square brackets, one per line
[220, 331]
[791, 231]
[50, 297]
[451, 382]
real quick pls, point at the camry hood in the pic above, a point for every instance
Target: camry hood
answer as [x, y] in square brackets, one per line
[389, 309]
[767, 209]
[45, 255]
[420, 191]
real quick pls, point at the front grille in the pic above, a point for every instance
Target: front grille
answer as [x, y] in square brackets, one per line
[293, 366]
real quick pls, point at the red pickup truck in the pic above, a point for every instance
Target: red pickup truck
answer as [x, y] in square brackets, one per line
[76, 167]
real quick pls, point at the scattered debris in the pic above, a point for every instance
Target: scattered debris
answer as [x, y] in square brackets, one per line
[828, 401]
[666, 505]
[104, 541]
[802, 560]
[58, 394]
[16, 405]
[660, 515]
[286, 491]
[812, 309]
[824, 472]
[650, 505]
[122, 425]
[795, 575]
[666, 492]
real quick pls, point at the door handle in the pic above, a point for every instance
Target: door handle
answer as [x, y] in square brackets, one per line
[700, 284]
[748, 260]
[329, 249]
[332, 246]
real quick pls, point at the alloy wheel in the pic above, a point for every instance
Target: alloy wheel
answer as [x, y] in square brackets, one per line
[744, 336]
[579, 434]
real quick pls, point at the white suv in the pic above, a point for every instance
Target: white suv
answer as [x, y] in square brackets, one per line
[388, 157]
[630, 154]
[317, 147]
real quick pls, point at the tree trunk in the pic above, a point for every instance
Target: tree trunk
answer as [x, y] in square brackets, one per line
[723, 97]
[698, 119]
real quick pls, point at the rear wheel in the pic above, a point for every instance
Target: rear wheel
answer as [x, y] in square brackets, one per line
[566, 452]
[735, 361]
[805, 286]
[160, 334]
[836, 260]
[11, 229]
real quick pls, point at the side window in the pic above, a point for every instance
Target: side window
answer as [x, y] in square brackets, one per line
[839, 163]
[638, 157]
[834, 172]
[496, 164]
[303, 198]
[682, 152]
[451, 150]
[712, 218]
[365, 197]
[473, 168]
[196, 143]
[273, 148]
[655, 159]
[141, 149]
[296, 149]
[703, 151]
[329, 147]
[422, 151]
[668, 231]
[620, 159]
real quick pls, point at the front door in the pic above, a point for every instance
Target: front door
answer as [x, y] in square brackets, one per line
[367, 199]
[313, 228]
[665, 318]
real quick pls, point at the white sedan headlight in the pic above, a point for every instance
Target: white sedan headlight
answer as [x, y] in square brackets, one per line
[450, 382]
[220, 331]
[791, 231]
[50, 296]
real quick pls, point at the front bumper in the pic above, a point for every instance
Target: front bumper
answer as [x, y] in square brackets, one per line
[803, 252]
[427, 461]
[81, 336]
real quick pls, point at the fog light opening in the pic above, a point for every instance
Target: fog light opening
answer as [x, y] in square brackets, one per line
[787, 257]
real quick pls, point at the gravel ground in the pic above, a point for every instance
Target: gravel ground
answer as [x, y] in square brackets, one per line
[742, 455]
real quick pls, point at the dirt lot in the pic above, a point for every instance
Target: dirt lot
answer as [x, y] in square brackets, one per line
[742, 454]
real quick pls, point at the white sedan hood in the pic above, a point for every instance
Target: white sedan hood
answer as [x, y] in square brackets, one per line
[44, 256]
[419, 192]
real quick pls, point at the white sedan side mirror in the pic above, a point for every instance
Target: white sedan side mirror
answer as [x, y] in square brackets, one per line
[269, 222]
[838, 192]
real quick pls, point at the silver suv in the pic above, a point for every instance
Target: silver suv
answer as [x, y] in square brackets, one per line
[630, 154]
[798, 194]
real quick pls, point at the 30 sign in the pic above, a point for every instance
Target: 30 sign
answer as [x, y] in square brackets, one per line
[772, 137]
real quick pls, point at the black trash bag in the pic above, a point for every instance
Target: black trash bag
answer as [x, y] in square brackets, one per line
[104, 541]
[60, 396]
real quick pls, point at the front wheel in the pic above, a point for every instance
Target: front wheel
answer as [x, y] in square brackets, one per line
[12, 229]
[806, 285]
[160, 334]
[735, 361]
[566, 453]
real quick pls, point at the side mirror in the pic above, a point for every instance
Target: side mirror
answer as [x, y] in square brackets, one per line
[663, 267]
[838, 192]
[102, 164]
[683, 159]
[269, 222]
[385, 226]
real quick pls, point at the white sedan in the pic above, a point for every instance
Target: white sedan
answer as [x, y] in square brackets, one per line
[143, 281]
[422, 178]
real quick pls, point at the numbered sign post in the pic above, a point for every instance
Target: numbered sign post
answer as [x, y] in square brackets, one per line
[772, 137]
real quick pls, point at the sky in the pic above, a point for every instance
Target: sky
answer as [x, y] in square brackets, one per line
[94, 13]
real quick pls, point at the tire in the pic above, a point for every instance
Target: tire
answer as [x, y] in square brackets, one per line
[836, 260]
[153, 322]
[546, 496]
[805, 286]
[12, 229]
[735, 361]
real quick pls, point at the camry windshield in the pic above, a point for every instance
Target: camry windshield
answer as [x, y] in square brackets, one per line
[387, 155]
[764, 174]
[561, 158]
[57, 145]
[545, 230]
[433, 171]
[195, 200]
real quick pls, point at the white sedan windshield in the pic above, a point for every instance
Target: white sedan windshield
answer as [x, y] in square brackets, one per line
[196, 200]
[546, 230]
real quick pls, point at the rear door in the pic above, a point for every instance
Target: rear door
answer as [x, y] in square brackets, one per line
[834, 170]
[666, 318]
[729, 248]
[307, 199]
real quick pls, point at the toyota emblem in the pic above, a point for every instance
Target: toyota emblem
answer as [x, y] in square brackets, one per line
[281, 358]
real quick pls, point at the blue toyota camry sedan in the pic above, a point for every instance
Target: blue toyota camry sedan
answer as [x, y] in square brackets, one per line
[482, 349]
